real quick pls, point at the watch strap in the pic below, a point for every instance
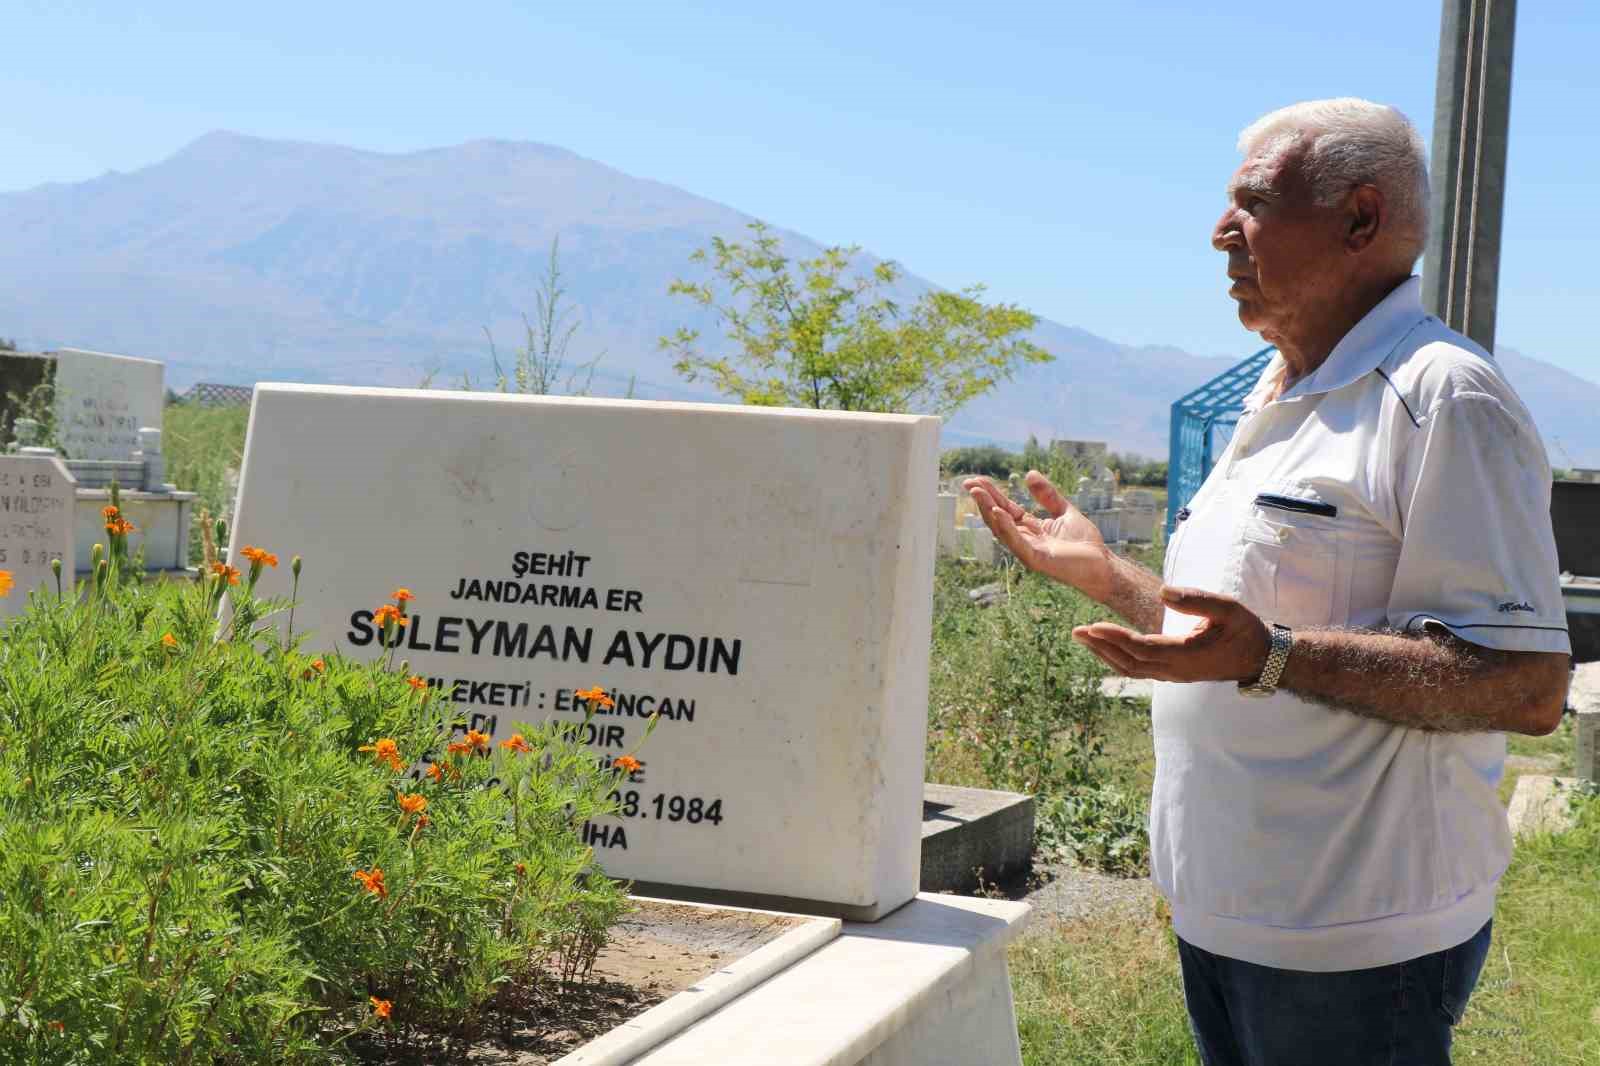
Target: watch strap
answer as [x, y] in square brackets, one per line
[1282, 638]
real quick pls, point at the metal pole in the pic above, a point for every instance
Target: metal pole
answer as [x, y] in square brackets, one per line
[1471, 114]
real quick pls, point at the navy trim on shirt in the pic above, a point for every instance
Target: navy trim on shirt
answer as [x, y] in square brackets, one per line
[1401, 397]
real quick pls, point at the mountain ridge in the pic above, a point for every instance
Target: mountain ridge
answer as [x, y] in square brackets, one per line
[246, 258]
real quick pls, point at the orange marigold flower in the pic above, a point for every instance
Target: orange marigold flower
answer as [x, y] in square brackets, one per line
[381, 1007]
[318, 665]
[517, 743]
[372, 881]
[595, 697]
[403, 595]
[418, 683]
[626, 763]
[110, 513]
[434, 772]
[259, 556]
[385, 750]
[423, 821]
[412, 802]
[473, 743]
[59, 1027]
[224, 571]
[120, 527]
[169, 640]
[7, 582]
[386, 614]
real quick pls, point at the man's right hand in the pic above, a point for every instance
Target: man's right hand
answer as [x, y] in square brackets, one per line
[1066, 546]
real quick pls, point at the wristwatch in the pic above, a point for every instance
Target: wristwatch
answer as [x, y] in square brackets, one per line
[1272, 669]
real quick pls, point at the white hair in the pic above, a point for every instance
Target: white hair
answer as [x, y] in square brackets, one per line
[1352, 142]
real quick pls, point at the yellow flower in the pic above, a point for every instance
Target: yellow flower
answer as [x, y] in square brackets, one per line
[595, 697]
[381, 1007]
[372, 881]
[7, 582]
[412, 802]
[517, 743]
[626, 763]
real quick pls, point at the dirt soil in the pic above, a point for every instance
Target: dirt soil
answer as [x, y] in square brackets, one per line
[655, 952]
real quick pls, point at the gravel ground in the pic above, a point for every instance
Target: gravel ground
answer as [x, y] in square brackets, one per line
[1068, 892]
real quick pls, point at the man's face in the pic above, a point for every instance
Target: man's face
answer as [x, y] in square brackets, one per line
[1285, 254]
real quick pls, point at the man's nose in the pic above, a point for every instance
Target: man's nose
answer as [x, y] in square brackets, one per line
[1225, 234]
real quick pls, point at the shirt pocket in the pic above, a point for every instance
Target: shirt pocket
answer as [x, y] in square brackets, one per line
[1292, 566]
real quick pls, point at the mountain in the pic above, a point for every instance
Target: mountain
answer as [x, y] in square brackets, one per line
[241, 259]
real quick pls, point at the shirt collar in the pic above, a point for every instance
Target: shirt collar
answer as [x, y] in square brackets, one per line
[1358, 352]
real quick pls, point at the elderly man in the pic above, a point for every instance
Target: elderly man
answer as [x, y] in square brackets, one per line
[1357, 605]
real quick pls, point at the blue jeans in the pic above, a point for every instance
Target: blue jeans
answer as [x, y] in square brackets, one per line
[1400, 1015]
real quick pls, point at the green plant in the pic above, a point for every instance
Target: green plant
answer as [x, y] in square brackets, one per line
[988, 460]
[543, 365]
[217, 847]
[822, 333]
[1015, 704]
[204, 447]
[37, 402]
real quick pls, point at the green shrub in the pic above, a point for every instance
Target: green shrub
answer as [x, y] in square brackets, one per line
[219, 848]
[1015, 704]
[204, 447]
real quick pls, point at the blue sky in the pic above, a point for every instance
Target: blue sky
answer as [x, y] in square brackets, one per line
[1069, 155]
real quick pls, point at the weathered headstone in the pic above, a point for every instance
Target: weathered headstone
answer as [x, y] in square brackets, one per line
[36, 513]
[102, 401]
[761, 578]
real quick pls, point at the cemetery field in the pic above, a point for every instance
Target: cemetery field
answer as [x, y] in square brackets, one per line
[1108, 992]
[1105, 990]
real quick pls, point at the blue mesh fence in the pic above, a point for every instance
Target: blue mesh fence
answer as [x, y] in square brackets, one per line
[1202, 423]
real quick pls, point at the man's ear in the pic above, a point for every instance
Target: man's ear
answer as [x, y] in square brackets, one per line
[1365, 214]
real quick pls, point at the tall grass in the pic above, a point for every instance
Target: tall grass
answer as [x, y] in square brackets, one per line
[204, 447]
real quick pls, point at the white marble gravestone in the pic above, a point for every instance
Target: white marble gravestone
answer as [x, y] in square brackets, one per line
[36, 513]
[761, 577]
[102, 401]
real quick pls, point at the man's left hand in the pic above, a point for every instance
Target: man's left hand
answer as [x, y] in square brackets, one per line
[1230, 644]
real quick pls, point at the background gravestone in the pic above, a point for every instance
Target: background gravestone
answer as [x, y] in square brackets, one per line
[761, 577]
[103, 400]
[36, 513]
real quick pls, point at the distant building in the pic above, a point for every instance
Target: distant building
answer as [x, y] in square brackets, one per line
[1080, 451]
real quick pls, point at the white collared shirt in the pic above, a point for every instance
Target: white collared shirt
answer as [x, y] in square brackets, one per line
[1401, 484]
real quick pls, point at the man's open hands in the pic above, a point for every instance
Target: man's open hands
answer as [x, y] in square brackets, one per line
[1065, 546]
[1231, 644]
